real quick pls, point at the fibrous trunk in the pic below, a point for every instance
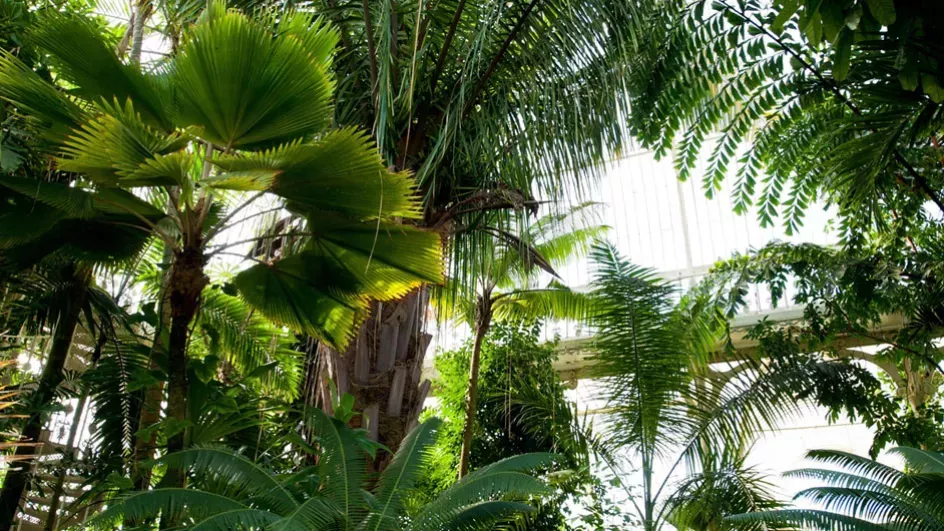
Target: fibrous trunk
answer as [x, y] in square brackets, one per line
[16, 479]
[383, 368]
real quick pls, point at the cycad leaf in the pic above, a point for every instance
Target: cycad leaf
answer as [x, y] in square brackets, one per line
[146, 505]
[341, 466]
[401, 475]
[342, 172]
[236, 519]
[478, 516]
[248, 89]
[922, 461]
[95, 70]
[243, 478]
[808, 519]
[313, 515]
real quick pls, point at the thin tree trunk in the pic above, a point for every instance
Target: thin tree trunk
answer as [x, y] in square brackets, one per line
[17, 477]
[187, 281]
[137, 30]
[484, 321]
[382, 368]
[153, 395]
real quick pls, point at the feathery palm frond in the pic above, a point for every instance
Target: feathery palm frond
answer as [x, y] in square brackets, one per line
[865, 495]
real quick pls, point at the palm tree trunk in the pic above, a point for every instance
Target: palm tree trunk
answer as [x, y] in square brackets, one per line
[187, 281]
[16, 479]
[484, 321]
[382, 368]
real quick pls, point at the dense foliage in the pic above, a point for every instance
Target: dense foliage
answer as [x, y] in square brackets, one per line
[522, 408]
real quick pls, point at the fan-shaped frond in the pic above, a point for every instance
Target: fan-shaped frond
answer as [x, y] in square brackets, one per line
[247, 89]
[553, 302]
[340, 172]
[97, 73]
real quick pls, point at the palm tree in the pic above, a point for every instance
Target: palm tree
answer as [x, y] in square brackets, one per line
[665, 402]
[503, 287]
[230, 491]
[210, 137]
[492, 104]
[865, 495]
[60, 297]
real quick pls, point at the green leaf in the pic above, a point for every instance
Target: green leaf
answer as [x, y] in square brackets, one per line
[400, 476]
[307, 294]
[385, 259]
[842, 54]
[117, 144]
[341, 465]
[247, 89]
[882, 10]
[25, 89]
[787, 9]
[342, 171]
[98, 74]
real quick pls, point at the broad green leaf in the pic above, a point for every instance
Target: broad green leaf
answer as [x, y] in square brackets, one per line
[342, 171]
[98, 74]
[842, 54]
[387, 260]
[306, 293]
[787, 10]
[247, 89]
[116, 144]
[25, 89]
[78, 203]
[882, 10]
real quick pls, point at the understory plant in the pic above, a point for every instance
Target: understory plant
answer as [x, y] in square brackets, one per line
[864, 495]
[228, 491]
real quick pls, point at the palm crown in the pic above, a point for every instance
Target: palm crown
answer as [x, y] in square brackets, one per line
[242, 107]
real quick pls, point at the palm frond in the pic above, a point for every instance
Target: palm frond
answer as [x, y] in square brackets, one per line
[246, 89]
[97, 73]
[167, 503]
[340, 172]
